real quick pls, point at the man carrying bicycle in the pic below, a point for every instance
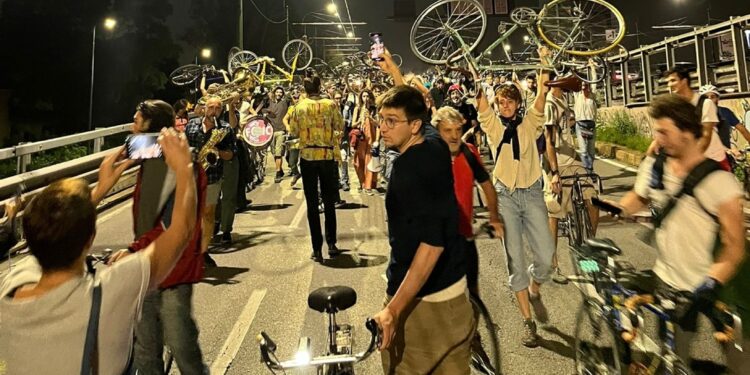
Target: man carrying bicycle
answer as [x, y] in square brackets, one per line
[700, 234]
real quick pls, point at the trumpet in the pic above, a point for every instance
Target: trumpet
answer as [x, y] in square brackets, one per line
[244, 81]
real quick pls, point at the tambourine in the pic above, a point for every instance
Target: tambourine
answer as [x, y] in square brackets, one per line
[258, 132]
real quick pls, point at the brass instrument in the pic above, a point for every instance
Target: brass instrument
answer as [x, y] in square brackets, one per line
[243, 82]
[209, 155]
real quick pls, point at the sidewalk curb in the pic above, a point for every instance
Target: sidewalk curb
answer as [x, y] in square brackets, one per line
[619, 153]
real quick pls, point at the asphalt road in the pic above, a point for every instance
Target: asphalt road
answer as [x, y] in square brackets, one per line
[263, 279]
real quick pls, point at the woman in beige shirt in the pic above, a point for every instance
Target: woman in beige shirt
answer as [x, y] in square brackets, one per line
[518, 182]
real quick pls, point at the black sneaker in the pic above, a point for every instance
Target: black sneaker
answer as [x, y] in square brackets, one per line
[279, 177]
[295, 179]
[208, 261]
[340, 204]
[226, 238]
[333, 251]
[530, 338]
[317, 256]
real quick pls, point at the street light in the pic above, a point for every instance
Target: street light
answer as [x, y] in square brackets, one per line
[507, 47]
[331, 8]
[206, 53]
[349, 34]
[109, 24]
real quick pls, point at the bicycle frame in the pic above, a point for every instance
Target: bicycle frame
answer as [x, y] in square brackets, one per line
[556, 57]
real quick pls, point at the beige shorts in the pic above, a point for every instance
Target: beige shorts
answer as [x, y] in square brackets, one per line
[277, 144]
[212, 193]
[566, 205]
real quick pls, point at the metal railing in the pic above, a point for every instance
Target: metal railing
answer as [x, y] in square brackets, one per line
[23, 152]
[728, 71]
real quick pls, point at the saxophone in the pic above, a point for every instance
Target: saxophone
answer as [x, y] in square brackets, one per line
[209, 155]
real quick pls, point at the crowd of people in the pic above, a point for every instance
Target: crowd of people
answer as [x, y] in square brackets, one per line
[418, 144]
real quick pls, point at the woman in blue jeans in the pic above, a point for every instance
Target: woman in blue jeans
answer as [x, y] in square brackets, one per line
[518, 181]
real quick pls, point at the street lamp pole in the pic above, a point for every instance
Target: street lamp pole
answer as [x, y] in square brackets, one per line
[91, 88]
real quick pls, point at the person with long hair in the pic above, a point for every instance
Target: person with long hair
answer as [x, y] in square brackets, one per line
[366, 139]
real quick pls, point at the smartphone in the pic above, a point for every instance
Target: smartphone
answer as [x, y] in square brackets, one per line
[614, 210]
[143, 146]
[376, 47]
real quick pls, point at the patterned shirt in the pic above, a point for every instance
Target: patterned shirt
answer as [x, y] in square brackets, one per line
[197, 138]
[319, 124]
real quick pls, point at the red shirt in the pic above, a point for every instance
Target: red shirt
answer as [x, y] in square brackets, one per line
[189, 268]
[463, 185]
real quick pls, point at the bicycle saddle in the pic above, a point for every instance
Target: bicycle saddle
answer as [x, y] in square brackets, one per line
[567, 83]
[332, 299]
[600, 245]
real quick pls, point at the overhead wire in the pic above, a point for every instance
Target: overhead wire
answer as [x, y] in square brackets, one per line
[264, 16]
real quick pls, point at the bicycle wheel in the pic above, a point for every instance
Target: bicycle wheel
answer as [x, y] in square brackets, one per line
[595, 26]
[593, 70]
[355, 78]
[436, 32]
[297, 49]
[574, 234]
[243, 59]
[598, 349]
[617, 55]
[485, 347]
[185, 74]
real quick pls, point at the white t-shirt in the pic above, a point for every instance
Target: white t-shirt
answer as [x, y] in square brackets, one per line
[685, 240]
[584, 108]
[46, 334]
[709, 113]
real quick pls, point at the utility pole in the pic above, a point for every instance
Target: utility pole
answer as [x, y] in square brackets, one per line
[242, 24]
[286, 10]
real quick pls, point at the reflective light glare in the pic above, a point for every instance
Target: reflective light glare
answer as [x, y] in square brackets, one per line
[110, 23]
[339, 26]
[206, 53]
[507, 47]
[331, 8]
[302, 356]
[349, 34]
[525, 38]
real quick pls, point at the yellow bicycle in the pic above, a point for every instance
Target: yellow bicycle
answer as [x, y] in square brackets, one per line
[297, 55]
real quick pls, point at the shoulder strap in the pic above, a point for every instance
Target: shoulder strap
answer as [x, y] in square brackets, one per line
[90, 363]
[480, 174]
[692, 180]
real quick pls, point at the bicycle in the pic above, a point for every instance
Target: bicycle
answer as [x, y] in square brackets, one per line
[577, 225]
[607, 334]
[340, 357]
[188, 74]
[450, 29]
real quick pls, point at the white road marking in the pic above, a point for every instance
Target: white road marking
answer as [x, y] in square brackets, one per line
[384, 277]
[301, 212]
[114, 213]
[619, 165]
[237, 336]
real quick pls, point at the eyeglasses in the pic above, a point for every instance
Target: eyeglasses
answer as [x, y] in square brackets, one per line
[390, 122]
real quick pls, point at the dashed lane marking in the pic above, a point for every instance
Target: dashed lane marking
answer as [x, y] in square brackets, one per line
[301, 211]
[237, 336]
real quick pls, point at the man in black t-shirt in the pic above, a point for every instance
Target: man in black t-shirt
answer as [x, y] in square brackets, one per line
[425, 245]
[456, 100]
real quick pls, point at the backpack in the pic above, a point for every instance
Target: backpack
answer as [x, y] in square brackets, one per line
[736, 292]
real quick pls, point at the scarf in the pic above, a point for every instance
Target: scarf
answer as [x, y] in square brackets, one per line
[511, 136]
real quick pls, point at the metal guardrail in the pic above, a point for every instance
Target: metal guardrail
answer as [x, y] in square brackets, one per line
[24, 151]
[639, 90]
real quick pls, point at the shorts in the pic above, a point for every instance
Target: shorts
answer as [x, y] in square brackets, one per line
[212, 193]
[277, 144]
[566, 204]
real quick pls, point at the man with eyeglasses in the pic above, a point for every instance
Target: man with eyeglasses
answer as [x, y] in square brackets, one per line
[427, 285]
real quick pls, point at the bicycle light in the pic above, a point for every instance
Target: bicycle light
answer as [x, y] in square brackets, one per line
[303, 351]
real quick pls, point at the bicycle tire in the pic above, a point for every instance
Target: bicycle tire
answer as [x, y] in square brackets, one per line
[596, 359]
[592, 74]
[485, 338]
[243, 58]
[617, 55]
[441, 17]
[581, 47]
[297, 49]
[185, 74]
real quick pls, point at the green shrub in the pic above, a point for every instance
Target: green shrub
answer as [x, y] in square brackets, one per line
[621, 129]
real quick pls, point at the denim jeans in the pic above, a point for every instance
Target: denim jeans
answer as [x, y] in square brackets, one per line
[524, 212]
[167, 317]
[586, 149]
[344, 167]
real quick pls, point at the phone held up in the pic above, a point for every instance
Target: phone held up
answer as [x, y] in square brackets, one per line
[376, 47]
[143, 146]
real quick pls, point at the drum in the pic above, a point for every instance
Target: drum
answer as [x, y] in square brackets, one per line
[258, 132]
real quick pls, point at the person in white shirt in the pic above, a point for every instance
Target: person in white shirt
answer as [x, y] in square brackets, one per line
[585, 112]
[46, 301]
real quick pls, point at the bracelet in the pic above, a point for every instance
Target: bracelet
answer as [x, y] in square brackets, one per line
[555, 173]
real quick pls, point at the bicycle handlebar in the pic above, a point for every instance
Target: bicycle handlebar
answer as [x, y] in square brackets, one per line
[268, 353]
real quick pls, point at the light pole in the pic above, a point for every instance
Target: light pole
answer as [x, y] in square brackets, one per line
[109, 24]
